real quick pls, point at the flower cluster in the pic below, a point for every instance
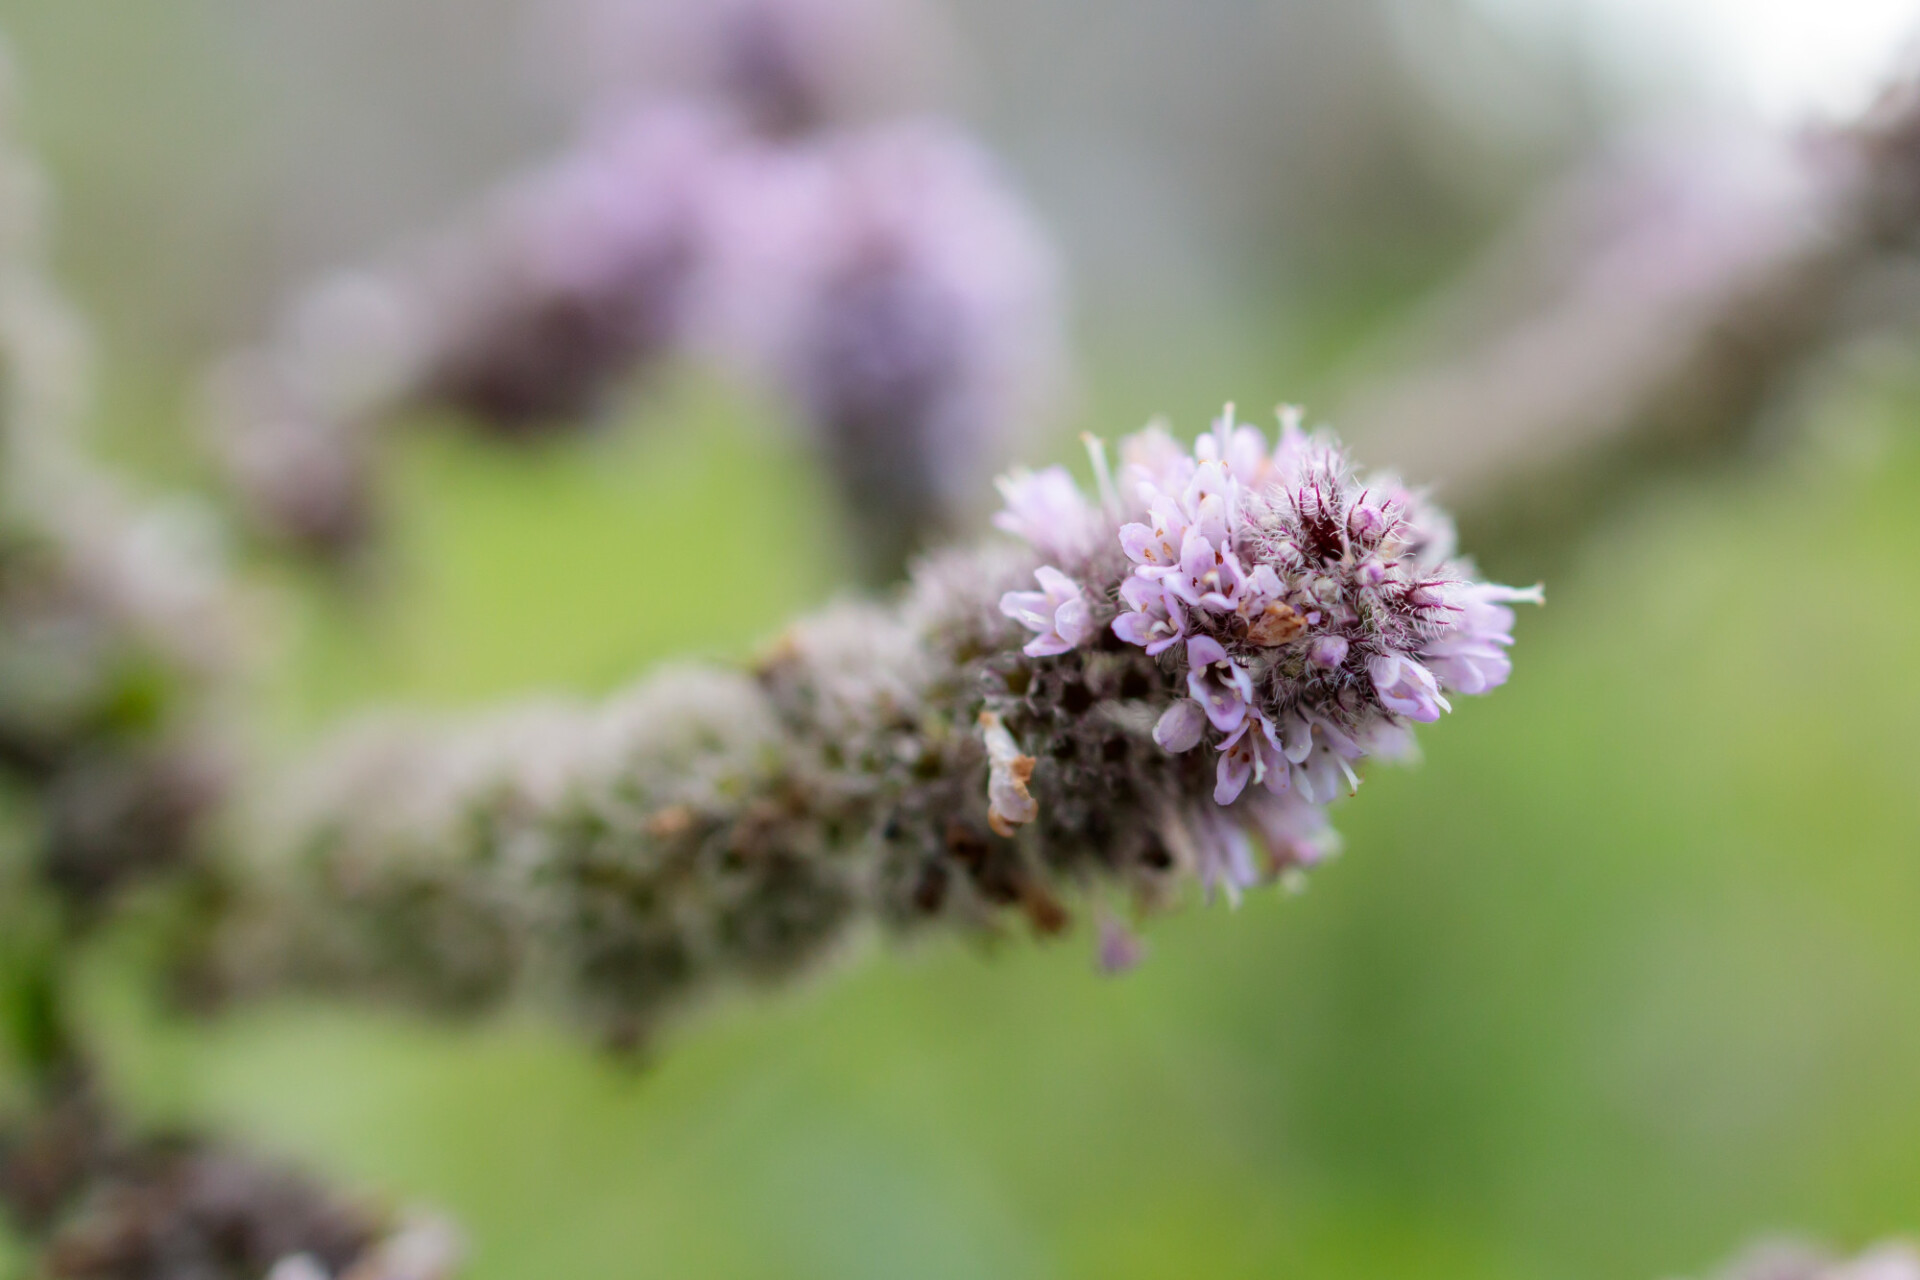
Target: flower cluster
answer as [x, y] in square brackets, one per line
[883, 279]
[1306, 613]
[890, 284]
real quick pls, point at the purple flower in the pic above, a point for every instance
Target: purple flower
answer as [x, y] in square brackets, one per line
[1367, 524]
[1157, 622]
[1319, 751]
[1240, 450]
[1239, 762]
[1047, 509]
[1152, 464]
[1181, 726]
[1210, 501]
[1058, 612]
[1471, 657]
[1407, 688]
[1225, 857]
[1251, 754]
[1218, 683]
[1295, 831]
[1209, 578]
[1155, 546]
[1296, 586]
[1120, 949]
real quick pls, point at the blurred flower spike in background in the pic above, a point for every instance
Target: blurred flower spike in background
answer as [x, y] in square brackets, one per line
[880, 278]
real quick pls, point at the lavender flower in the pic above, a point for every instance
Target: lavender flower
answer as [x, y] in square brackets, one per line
[1058, 612]
[1181, 726]
[577, 275]
[886, 282]
[1156, 619]
[1048, 511]
[893, 284]
[1472, 658]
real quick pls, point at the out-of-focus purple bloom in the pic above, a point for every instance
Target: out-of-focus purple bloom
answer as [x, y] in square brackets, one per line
[894, 285]
[1058, 612]
[527, 318]
[1226, 859]
[888, 283]
[1120, 949]
[306, 476]
[1295, 830]
[1047, 510]
[576, 275]
[1180, 726]
[1152, 464]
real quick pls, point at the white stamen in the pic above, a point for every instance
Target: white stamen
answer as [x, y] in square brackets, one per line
[1102, 475]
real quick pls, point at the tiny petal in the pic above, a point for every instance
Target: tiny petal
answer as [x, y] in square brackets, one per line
[1047, 646]
[1225, 857]
[1275, 771]
[1181, 726]
[1296, 737]
[1203, 651]
[1047, 509]
[1136, 627]
[1265, 583]
[1055, 583]
[1142, 592]
[1407, 688]
[1028, 608]
[1232, 775]
[1060, 614]
[1137, 541]
[1217, 684]
[1073, 622]
[1120, 949]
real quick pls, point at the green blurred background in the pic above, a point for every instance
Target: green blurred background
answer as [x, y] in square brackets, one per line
[1624, 973]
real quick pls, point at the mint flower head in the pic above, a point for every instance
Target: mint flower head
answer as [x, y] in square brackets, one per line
[1303, 614]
